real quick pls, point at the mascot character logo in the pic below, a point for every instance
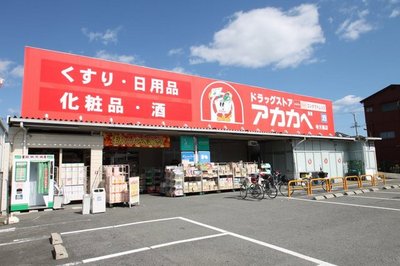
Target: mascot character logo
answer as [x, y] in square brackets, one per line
[220, 102]
[222, 106]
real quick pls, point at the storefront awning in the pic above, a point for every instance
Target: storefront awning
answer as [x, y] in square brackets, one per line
[78, 126]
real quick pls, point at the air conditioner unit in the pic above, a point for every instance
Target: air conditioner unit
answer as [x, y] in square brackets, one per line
[252, 143]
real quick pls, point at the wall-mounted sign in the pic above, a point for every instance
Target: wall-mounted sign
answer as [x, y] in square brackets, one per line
[187, 157]
[204, 157]
[203, 144]
[187, 143]
[71, 87]
[133, 140]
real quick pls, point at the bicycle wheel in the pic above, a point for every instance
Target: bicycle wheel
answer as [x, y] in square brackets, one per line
[243, 191]
[256, 191]
[271, 190]
[283, 189]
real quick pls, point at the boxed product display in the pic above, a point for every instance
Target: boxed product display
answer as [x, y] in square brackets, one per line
[116, 183]
[207, 177]
[173, 184]
[72, 180]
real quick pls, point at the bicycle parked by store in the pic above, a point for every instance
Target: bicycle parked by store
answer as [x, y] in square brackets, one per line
[282, 182]
[251, 186]
[268, 185]
[324, 183]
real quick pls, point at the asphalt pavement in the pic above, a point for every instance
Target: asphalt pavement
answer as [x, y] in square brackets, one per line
[215, 229]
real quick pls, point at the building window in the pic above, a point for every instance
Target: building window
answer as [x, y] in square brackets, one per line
[387, 135]
[369, 109]
[386, 107]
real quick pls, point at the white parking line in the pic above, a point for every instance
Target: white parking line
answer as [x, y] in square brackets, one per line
[116, 226]
[12, 229]
[222, 232]
[24, 240]
[271, 246]
[365, 197]
[58, 223]
[347, 204]
[151, 247]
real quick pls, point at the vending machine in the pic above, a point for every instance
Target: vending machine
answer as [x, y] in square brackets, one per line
[32, 185]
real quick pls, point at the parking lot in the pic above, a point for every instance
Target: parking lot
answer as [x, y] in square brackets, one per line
[215, 229]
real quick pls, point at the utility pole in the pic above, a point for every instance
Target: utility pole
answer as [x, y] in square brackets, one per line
[355, 126]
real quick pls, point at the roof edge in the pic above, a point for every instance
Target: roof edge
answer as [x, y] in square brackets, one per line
[18, 121]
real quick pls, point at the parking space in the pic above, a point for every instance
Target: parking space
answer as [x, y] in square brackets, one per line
[180, 240]
[216, 229]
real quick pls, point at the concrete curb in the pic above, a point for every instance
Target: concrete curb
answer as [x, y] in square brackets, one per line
[59, 250]
[351, 192]
[318, 198]
[337, 195]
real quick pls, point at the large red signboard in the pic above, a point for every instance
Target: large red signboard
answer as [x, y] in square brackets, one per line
[70, 87]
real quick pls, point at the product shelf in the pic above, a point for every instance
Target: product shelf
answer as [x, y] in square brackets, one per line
[211, 177]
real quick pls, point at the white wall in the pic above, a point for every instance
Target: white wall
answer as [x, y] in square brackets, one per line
[313, 155]
[4, 153]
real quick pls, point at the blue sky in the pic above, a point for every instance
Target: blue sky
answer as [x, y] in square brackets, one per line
[339, 50]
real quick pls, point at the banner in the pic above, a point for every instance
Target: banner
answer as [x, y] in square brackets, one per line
[71, 87]
[132, 140]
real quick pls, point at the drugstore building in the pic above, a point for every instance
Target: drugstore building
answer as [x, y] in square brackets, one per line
[96, 112]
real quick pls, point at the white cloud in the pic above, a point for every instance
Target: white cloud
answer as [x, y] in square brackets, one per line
[5, 66]
[395, 13]
[348, 104]
[180, 70]
[351, 30]
[263, 37]
[17, 71]
[10, 72]
[110, 35]
[178, 51]
[129, 59]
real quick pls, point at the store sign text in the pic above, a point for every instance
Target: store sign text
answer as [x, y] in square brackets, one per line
[71, 87]
[139, 141]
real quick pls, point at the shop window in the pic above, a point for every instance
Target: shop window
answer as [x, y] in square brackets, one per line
[369, 109]
[387, 135]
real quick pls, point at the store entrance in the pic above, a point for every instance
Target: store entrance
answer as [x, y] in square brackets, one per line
[118, 156]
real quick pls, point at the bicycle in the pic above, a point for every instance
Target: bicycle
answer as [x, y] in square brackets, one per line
[251, 186]
[325, 184]
[282, 184]
[268, 185]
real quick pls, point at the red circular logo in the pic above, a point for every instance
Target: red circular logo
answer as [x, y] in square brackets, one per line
[339, 160]
[325, 161]
[309, 161]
